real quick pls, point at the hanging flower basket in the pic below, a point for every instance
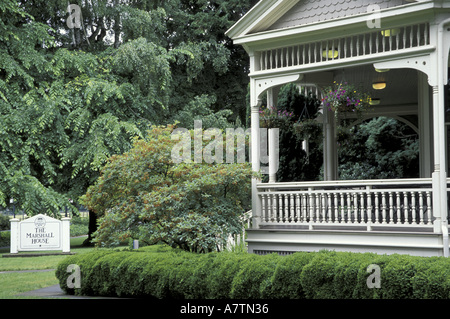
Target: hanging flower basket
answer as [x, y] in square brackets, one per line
[307, 129]
[344, 97]
[273, 118]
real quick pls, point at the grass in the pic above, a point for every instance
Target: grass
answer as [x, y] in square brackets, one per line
[12, 284]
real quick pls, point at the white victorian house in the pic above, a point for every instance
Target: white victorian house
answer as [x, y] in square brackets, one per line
[314, 43]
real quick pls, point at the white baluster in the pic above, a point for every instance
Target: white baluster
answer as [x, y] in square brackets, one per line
[336, 208]
[362, 208]
[315, 53]
[356, 208]
[391, 208]
[349, 207]
[304, 208]
[275, 207]
[413, 207]
[411, 36]
[324, 207]
[421, 212]
[304, 53]
[429, 210]
[383, 207]
[399, 208]
[369, 204]
[291, 208]
[377, 44]
[405, 208]
[264, 207]
[329, 209]
[357, 45]
[364, 44]
[377, 208]
[397, 38]
[418, 35]
[405, 30]
[317, 210]
[339, 49]
[311, 207]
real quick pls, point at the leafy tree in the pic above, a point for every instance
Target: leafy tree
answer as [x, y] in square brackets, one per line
[143, 194]
[379, 148]
[71, 98]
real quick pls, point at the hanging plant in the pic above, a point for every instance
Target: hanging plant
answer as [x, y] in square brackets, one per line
[344, 97]
[307, 129]
[273, 118]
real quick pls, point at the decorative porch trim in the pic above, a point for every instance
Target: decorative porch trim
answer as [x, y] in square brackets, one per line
[348, 203]
[344, 48]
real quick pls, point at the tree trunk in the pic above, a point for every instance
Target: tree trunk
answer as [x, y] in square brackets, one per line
[92, 228]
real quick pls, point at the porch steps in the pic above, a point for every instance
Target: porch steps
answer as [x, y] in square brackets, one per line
[420, 242]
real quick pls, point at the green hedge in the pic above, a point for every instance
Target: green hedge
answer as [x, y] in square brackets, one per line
[161, 272]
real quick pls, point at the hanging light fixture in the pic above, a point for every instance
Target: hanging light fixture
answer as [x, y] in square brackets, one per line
[381, 70]
[330, 53]
[374, 101]
[390, 32]
[379, 85]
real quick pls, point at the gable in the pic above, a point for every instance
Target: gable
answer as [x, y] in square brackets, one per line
[310, 11]
[269, 15]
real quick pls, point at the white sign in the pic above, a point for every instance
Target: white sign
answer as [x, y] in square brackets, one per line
[40, 232]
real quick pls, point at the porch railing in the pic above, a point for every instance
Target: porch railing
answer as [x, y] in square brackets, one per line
[349, 46]
[366, 203]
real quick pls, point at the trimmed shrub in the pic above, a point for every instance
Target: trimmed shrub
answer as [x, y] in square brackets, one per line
[223, 269]
[162, 272]
[289, 270]
[86, 263]
[254, 276]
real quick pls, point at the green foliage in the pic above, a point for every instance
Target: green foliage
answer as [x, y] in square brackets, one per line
[78, 226]
[71, 98]
[4, 222]
[5, 238]
[253, 276]
[378, 148]
[143, 194]
[161, 272]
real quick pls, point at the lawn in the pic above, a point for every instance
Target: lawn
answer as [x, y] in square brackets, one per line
[12, 284]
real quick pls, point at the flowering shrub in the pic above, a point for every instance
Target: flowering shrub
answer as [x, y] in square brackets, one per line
[272, 118]
[344, 97]
[142, 194]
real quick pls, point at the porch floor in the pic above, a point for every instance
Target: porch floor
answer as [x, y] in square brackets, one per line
[287, 239]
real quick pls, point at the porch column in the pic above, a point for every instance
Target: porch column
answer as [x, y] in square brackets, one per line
[255, 146]
[425, 138]
[439, 174]
[438, 79]
[272, 100]
[329, 146]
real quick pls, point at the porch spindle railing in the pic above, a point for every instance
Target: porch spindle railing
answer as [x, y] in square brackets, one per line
[346, 47]
[365, 203]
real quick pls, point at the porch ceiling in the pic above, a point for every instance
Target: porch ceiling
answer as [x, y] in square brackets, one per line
[401, 85]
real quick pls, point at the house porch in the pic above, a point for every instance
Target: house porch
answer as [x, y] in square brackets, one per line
[297, 41]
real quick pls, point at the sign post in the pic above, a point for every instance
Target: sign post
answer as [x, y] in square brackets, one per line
[40, 233]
